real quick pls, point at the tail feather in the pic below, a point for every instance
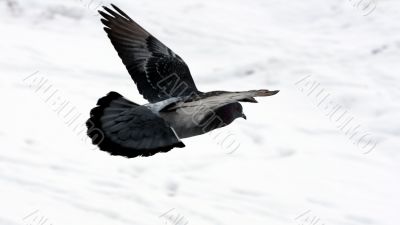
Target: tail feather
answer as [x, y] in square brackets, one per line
[122, 127]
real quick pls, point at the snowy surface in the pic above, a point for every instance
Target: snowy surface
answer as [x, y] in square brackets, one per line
[293, 165]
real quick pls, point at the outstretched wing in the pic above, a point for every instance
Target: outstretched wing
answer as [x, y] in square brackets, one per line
[216, 99]
[158, 72]
[124, 128]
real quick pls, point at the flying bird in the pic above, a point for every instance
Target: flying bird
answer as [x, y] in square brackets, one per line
[176, 108]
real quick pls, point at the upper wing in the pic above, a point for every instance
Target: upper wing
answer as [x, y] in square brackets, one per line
[215, 99]
[158, 72]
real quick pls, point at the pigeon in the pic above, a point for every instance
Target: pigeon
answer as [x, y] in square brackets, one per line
[176, 108]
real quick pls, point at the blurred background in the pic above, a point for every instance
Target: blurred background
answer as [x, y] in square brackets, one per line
[325, 150]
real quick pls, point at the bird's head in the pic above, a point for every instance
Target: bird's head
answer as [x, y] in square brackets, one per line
[228, 113]
[238, 111]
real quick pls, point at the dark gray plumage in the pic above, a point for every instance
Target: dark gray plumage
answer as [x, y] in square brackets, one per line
[177, 109]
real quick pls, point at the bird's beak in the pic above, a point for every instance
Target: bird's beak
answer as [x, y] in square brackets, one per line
[244, 116]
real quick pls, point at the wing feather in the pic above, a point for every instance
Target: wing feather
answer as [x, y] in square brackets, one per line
[158, 72]
[216, 99]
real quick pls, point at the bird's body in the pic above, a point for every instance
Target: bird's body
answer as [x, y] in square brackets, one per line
[176, 108]
[189, 121]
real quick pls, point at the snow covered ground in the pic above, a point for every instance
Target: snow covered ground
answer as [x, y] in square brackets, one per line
[295, 164]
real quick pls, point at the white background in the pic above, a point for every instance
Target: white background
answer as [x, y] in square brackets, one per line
[292, 159]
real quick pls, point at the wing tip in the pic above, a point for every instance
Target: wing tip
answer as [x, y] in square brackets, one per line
[274, 92]
[114, 11]
[265, 92]
[121, 12]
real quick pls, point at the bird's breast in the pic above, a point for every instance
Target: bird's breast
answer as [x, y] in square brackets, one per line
[186, 122]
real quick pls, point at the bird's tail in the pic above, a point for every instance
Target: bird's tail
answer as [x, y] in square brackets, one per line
[122, 127]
